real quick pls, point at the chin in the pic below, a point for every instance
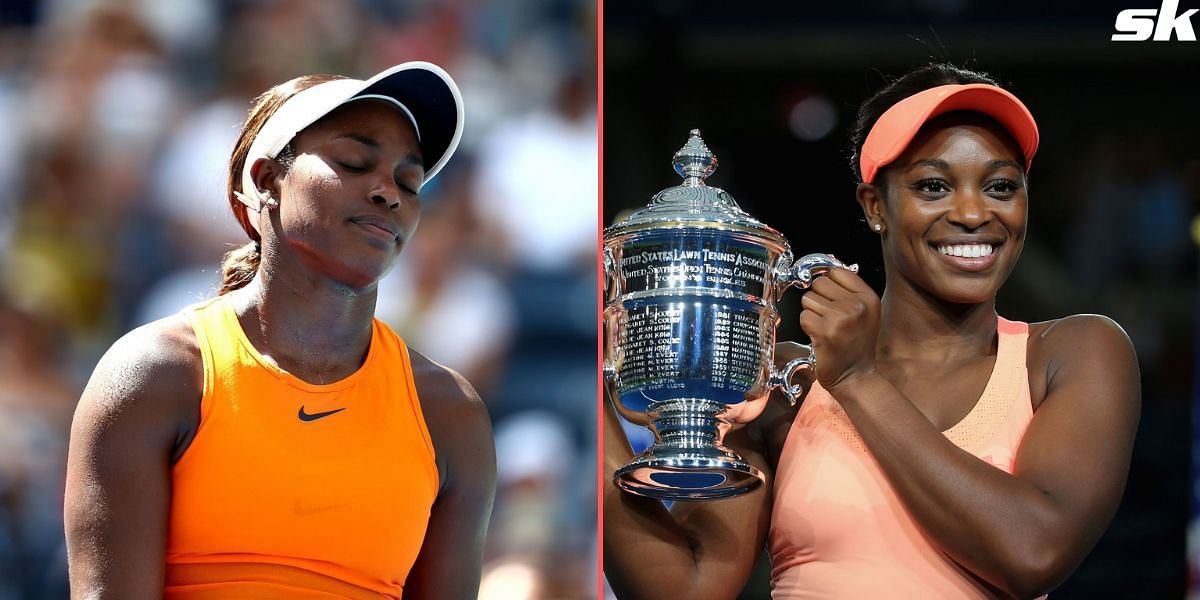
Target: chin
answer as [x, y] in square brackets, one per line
[967, 288]
[967, 298]
[360, 276]
[965, 292]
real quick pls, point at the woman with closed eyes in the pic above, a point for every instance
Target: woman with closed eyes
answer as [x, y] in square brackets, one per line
[941, 451]
[278, 441]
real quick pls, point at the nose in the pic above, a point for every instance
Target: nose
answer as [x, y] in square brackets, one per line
[386, 192]
[969, 210]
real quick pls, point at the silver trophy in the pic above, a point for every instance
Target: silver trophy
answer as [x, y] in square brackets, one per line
[691, 282]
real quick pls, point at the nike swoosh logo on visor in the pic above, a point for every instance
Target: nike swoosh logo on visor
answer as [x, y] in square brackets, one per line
[314, 416]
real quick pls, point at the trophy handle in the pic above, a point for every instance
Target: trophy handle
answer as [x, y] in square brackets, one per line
[612, 289]
[612, 284]
[782, 379]
[804, 271]
[612, 376]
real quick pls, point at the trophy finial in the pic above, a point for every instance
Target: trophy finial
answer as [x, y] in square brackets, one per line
[694, 162]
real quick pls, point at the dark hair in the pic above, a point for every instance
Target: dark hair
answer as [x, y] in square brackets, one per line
[917, 80]
[239, 265]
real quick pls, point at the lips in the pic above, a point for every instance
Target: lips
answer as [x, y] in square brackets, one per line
[378, 226]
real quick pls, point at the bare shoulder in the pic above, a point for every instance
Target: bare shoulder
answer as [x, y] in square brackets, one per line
[152, 375]
[444, 389]
[1093, 337]
[456, 417]
[1087, 346]
[162, 355]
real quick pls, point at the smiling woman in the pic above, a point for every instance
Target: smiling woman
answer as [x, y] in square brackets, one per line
[278, 440]
[973, 207]
[940, 450]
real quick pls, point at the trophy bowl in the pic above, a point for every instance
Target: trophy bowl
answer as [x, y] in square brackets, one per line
[691, 282]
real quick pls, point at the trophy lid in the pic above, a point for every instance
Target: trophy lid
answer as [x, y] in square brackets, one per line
[693, 202]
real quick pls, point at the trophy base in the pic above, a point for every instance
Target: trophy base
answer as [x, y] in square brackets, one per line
[688, 477]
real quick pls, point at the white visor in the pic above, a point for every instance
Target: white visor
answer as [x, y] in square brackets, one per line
[422, 91]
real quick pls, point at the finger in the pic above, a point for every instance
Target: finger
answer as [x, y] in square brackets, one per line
[830, 289]
[811, 323]
[816, 303]
[849, 280]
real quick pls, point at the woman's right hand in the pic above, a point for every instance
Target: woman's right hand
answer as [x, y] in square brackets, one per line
[841, 315]
[696, 550]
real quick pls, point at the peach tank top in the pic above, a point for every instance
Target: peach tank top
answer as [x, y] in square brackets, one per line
[838, 530]
[296, 490]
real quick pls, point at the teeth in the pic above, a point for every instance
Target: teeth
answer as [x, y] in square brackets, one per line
[967, 250]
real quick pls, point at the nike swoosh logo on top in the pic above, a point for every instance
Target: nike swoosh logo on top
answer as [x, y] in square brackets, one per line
[314, 416]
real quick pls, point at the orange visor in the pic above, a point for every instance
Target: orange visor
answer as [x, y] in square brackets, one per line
[897, 127]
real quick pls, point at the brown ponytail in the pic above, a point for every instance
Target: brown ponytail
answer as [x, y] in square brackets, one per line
[241, 264]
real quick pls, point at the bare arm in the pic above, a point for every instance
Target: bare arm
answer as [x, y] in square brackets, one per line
[1023, 533]
[127, 427]
[451, 558]
[697, 550]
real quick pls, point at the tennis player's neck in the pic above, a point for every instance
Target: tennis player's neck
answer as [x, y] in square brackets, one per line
[913, 329]
[305, 334]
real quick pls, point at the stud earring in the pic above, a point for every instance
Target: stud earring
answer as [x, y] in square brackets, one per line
[269, 201]
[878, 228]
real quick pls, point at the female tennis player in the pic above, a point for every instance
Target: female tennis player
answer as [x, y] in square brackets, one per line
[942, 451]
[278, 441]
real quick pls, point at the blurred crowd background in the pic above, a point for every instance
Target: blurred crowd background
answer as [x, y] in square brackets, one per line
[118, 120]
[1113, 191]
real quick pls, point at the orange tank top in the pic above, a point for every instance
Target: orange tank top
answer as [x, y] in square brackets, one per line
[296, 490]
[838, 530]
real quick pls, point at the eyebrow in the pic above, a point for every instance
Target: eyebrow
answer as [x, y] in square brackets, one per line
[370, 142]
[1000, 164]
[936, 163]
[360, 138]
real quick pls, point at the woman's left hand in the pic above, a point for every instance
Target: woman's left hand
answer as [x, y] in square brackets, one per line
[841, 316]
